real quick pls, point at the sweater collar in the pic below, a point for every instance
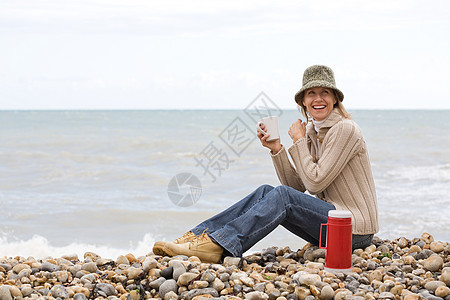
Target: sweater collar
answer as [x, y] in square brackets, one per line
[333, 118]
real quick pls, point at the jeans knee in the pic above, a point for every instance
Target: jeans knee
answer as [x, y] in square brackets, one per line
[282, 189]
[265, 188]
[283, 192]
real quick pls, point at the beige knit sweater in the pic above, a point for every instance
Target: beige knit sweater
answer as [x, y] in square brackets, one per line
[333, 165]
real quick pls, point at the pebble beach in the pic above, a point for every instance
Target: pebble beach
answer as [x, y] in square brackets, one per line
[388, 269]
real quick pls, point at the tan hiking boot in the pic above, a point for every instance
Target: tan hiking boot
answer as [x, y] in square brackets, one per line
[202, 247]
[158, 248]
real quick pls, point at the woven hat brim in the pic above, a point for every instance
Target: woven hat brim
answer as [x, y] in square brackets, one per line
[318, 83]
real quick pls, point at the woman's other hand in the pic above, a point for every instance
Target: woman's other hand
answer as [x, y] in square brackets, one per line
[274, 146]
[297, 130]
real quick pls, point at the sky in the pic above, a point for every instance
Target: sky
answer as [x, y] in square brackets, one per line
[204, 54]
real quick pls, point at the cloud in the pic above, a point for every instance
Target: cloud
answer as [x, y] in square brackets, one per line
[126, 52]
[205, 17]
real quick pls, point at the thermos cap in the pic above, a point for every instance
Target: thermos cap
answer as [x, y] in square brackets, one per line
[339, 214]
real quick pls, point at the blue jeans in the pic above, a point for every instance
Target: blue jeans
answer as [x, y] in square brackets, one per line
[243, 224]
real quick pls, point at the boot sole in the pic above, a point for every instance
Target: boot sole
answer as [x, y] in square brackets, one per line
[158, 248]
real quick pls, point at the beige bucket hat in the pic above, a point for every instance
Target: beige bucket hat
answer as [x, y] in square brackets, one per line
[318, 76]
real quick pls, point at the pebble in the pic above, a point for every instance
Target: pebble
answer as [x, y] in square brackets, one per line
[59, 291]
[167, 286]
[5, 294]
[178, 269]
[445, 277]
[442, 291]
[196, 292]
[134, 273]
[404, 268]
[433, 285]
[256, 295]
[437, 247]
[90, 267]
[186, 278]
[49, 267]
[167, 272]
[433, 263]
[327, 293]
[107, 289]
[304, 278]
[231, 261]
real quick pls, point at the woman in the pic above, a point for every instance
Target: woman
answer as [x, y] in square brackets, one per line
[330, 161]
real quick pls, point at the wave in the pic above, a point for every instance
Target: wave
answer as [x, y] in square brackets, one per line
[39, 247]
[437, 173]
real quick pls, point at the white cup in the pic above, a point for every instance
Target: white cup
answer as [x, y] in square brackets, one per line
[271, 124]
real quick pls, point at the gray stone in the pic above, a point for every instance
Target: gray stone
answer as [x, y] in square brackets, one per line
[319, 253]
[178, 269]
[49, 267]
[88, 278]
[260, 287]
[107, 288]
[433, 285]
[268, 251]
[43, 292]
[308, 255]
[208, 276]
[26, 291]
[424, 254]
[74, 269]
[6, 267]
[59, 291]
[167, 286]
[79, 296]
[5, 294]
[167, 272]
[208, 291]
[237, 289]
[24, 273]
[371, 265]
[155, 284]
[224, 277]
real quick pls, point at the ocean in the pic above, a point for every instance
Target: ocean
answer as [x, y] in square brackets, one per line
[113, 182]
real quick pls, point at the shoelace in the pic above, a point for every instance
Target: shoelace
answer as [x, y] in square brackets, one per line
[187, 234]
[202, 237]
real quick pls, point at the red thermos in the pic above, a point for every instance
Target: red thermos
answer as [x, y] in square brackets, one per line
[339, 241]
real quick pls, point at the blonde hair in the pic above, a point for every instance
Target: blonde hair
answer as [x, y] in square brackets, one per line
[338, 106]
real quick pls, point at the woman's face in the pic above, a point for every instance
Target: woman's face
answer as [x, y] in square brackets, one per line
[319, 102]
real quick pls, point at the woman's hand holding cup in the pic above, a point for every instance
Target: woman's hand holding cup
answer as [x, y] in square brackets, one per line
[273, 144]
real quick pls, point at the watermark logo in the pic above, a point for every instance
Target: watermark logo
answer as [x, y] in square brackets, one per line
[184, 189]
[215, 158]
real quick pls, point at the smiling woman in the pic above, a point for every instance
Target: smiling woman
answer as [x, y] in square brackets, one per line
[330, 161]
